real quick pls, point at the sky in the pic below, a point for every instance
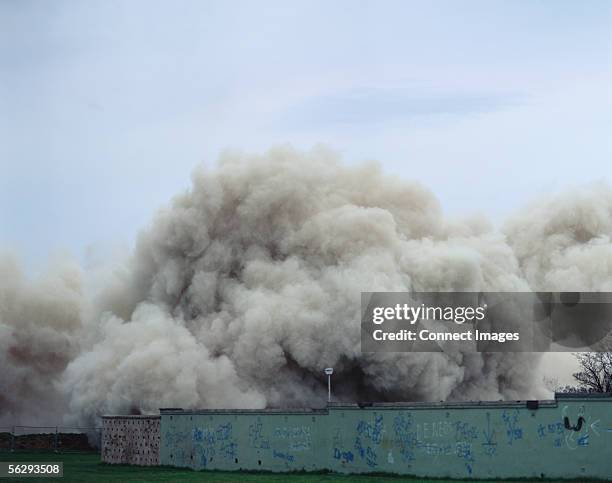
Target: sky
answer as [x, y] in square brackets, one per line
[107, 106]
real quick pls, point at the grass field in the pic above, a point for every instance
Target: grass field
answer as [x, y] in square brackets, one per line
[86, 467]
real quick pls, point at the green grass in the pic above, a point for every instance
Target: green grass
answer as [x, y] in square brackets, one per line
[86, 467]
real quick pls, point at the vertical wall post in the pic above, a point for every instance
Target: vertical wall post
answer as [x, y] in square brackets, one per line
[329, 371]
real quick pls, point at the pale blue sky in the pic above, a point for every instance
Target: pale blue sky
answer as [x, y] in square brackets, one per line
[107, 106]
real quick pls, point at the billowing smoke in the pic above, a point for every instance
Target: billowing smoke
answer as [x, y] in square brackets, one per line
[40, 327]
[247, 285]
[564, 243]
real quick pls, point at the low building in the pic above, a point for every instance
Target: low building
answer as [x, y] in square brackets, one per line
[569, 437]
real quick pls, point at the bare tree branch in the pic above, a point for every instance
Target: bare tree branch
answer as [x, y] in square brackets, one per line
[595, 373]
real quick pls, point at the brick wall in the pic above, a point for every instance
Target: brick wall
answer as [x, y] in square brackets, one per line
[131, 440]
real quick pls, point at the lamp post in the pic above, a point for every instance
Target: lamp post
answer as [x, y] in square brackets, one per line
[329, 371]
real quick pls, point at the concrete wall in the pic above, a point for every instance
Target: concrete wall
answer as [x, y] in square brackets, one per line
[131, 440]
[569, 437]
[271, 440]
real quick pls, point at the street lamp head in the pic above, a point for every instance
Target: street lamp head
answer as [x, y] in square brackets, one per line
[329, 371]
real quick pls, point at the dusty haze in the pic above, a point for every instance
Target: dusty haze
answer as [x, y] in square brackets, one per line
[246, 286]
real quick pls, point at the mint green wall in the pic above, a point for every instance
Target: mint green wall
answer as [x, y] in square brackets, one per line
[280, 442]
[472, 440]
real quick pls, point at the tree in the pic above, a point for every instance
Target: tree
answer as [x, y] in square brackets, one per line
[553, 385]
[595, 373]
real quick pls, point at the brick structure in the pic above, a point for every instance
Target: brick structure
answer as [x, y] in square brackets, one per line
[131, 440]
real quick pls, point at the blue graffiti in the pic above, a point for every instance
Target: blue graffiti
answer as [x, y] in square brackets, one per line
[299, 445]
[465, 431]
[228, 450]
[174, 439]
[405, 436]
[513, 429]
[371, 457]
[295, 432]
[208, 441]
[556, 428]
[366, 452]
[211, 436]
[359, 447]
[203, 436]
[344, 456]
[256, 439]
[283, 456]
[223, 432]
[371, 431]
[206, 455]
[552, 428]
[583, 440]
[464, 451]
[489, 445]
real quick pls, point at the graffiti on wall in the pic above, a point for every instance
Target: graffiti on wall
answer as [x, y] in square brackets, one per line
[408, 440]
[282, 443]
[470, 442]
[578, 426]
[211, 442]
[256, 438]
[489, 436]
[298, 437]
[514, 431]
[368, 438]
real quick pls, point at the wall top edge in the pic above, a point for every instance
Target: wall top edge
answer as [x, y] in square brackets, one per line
[131, 416]
[529, 404]
[289, 411]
